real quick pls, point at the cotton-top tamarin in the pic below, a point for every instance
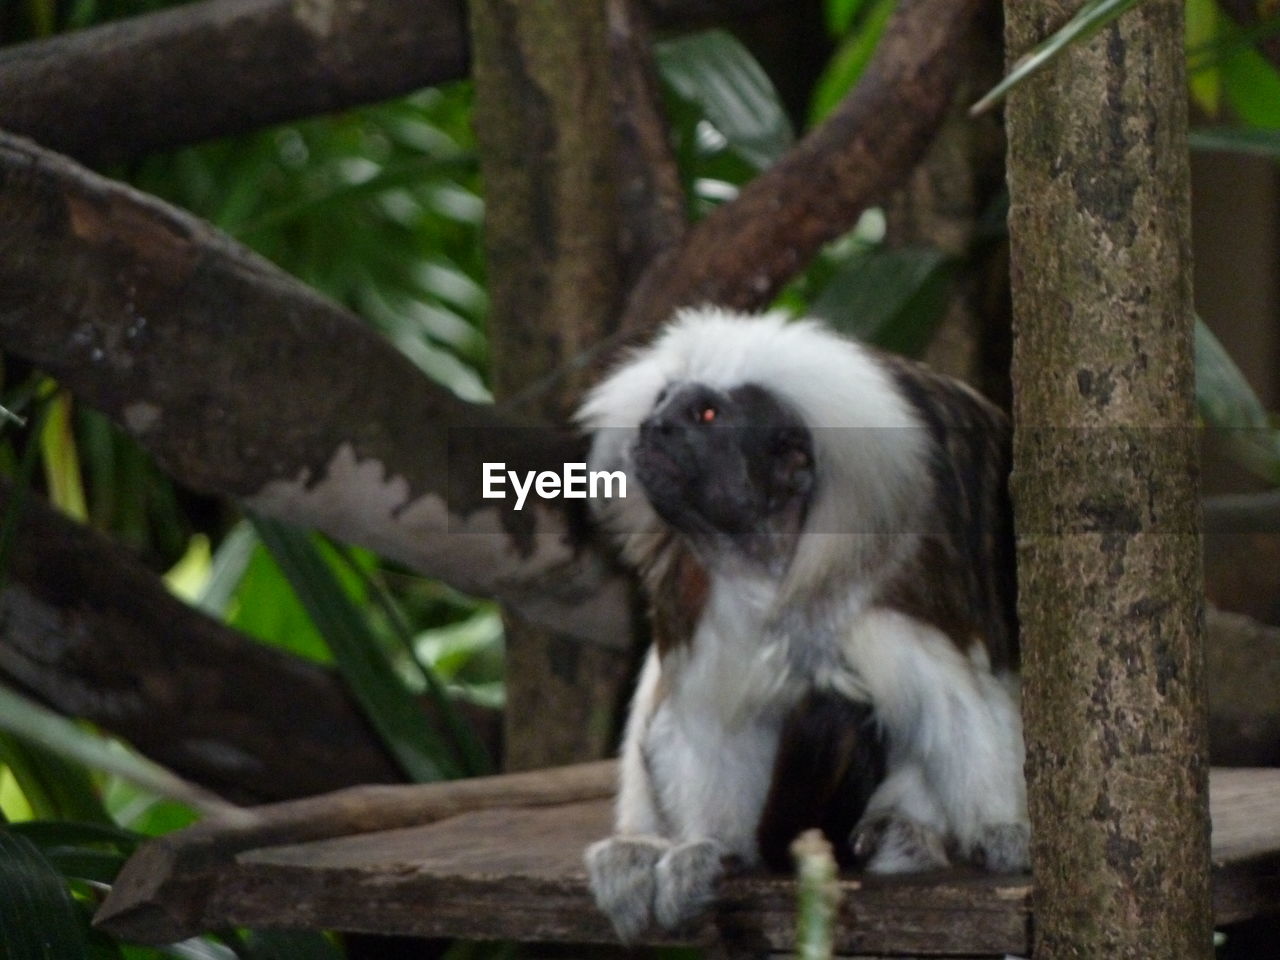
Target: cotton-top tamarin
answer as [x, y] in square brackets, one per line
[823, 532]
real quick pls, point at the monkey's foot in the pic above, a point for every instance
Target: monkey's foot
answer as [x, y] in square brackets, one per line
[623, 873]
[1003, 848]
[686, 881]
[889, 843]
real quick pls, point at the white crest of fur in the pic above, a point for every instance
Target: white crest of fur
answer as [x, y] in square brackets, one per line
[867, 439]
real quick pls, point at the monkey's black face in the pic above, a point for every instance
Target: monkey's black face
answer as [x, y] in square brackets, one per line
[733, 463]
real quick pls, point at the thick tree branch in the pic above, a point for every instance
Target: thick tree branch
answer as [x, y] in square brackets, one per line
[744, 252]
[220, 67]
[93, 633]
[244, 382]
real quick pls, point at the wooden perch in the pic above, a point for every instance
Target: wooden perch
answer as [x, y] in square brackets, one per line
[242, 381]
[500, 858]
[93, 633]
[202, 70]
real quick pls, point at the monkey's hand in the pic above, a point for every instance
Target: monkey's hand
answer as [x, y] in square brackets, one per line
[889, 842]
[639, 880]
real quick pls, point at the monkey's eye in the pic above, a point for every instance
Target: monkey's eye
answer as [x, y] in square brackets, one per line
[706, 414]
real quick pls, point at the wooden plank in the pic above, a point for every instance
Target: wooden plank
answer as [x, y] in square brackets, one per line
[162, 891]
[515, 872]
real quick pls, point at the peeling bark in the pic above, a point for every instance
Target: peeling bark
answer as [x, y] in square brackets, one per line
[220, 67]
[1105, 487]
[94, 634]
[242, 381]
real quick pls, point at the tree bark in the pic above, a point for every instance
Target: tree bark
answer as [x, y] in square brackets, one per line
[203, 70]
[1105, 486]
[548, 150]
[91, 632]
[244, 382]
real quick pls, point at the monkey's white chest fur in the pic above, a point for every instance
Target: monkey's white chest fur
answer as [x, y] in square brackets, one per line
[714, 724]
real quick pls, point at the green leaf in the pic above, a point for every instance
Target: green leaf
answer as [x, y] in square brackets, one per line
[62, 461]
[715, 72]
[33, 722]
[463, 740]
[840, 15]
[230, 561]
[264, 605]
[850, 61]
[38, 920]
[1228, 39]
[1251, 140]
[1228, 403]
[187, 577]
[1252, 87]
[54, 787]
[1202, 31]
[1093, 16]
[389, 706]
[892, 298]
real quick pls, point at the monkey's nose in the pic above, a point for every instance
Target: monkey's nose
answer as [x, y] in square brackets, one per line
[658, 424]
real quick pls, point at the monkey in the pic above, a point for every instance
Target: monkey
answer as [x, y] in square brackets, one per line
[823, 533]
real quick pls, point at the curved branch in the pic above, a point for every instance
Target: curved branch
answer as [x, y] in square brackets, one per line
[242, 381]
[220, 67]
[93, 633]
[744, 252]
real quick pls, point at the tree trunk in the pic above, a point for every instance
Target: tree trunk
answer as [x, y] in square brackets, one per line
[543, 120]
[1105, 487]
